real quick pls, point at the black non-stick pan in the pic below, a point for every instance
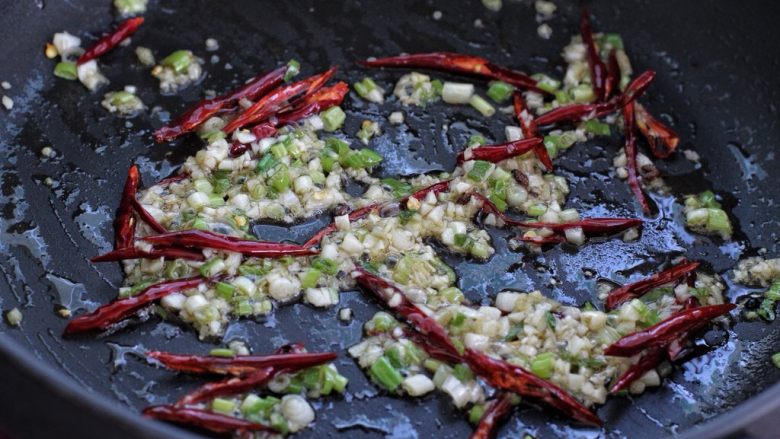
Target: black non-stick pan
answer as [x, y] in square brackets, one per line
[718, 83]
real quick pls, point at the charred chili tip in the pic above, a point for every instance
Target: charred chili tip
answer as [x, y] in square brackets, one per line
[111, 40]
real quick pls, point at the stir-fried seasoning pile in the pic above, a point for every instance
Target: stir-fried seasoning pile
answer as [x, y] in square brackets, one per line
[275, 152]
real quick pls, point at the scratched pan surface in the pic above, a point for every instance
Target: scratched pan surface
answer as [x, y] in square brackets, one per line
[717, 82]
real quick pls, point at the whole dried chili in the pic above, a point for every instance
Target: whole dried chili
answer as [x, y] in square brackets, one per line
[125, 253]
[278, 99]
[637, 289]
[528, 128]
[124, 225]
[319, 101]
[612, 84]
[147, 217]
[630, 151]
[498, 373]
[330, 228]
[435, 188]
[203, 418]
[503, 151]
[207, 239]
[663, 140]
[120, 309]
[542, 240]
[509, 377]
[647, 362]
[495, 413]
[458, 63]
[239, 365]
[598, 71]
[111, 40]
[258, 86]
[677, 345]
[664, 332]
[577, 112]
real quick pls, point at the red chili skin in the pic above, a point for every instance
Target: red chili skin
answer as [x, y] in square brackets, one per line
[542, 240]
[239, 365]
[191, 119]
[598, 71]
[172, 179]
[111, 40]
[147, 217]
[528, 127]
[639, 288]
[663, 140]
[505, 376]
[666, 331]
[500, 152]
[577, 112]
[124, 225]
[436, 352]
[647, 362]
[630, 150]
[436, 188]
[458, 63]
[330, 228]
[495, 413]
[211, 421]
[120, 309]
[318, 102]
[498, 373]
[122, 254]
[278, 100]
[207, 239]
[677, 345]
[612, 84]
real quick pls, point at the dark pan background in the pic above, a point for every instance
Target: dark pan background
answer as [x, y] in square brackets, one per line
[717, 82]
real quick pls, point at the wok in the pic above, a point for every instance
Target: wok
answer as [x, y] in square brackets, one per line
[717, 82]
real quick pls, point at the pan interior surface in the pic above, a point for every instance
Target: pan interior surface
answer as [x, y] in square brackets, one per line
[717, 82]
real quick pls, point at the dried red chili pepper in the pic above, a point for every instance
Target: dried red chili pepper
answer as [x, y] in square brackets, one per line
[598, 71]
[577, 112]
[147, 217]
[241, 364]
[503, 151]
[277, 100]
[458, 63]
[125, 253]
[665, 331]
[677, 345]
[208, 239]
[612, 84]
[330, 228]
[319, 101]
[172, 179]
[191, 119]
[498, 373]
[203, 418]
[648, 361]
[528, 127]
[435, 188]
[435, 351]
[495, 413]
[639, 288]
[120, 309]
[111, 40]
[663, 140]
[124, 225]
[542, 240]
[509, 377]
[588, 225]
[630, 151]
[230, 386]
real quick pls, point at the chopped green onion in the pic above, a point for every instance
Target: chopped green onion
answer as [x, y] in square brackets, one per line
[481, 105]
[718, 221]
[548, 84]
[368, 129]
[499, 91]
[550, 319]
[597, 128]
[279, 423]
[223, 406]
[543, 364]
[776, 359]
[462, 373]
[479, 170]
[582, 94]
[493, 5]
[66, 70]
[280, 180]
[293, 68]
[267, 162]
[310, 278]
[476, 412]
[707, 199]
[562, 97]
[225, 290]
[364, 158]
[324, 265]
[333, 118]
[364, 87]
[614, 40]
[513, 331]
[222, 352]
[340, 147]
[537, 210]
[399, 188]
[120, 98]
[179, 61]
[212, 267]
[476, 140]
[383, 322]
[384, 373]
